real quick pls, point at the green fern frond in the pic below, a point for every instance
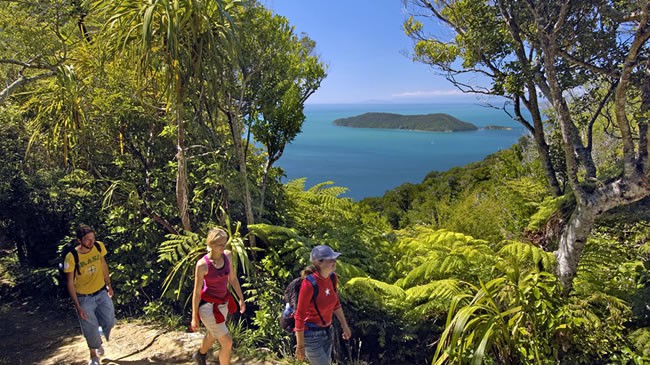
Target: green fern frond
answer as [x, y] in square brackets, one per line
[641, 340]
[528, 255]
[297, 185]
[273, 235]
[444, 289]
[346, 271]
[378, 288]
[445, 266]
[176, 247]
[440, 254]
[327, 188]
[547, 208]
[181, 250]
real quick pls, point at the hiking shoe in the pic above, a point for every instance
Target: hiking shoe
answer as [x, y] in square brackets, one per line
[100, 351]
[200, 359]
[94, 361]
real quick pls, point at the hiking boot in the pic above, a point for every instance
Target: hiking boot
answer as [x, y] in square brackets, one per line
[199, 358]
[100, 351]
[94, 361]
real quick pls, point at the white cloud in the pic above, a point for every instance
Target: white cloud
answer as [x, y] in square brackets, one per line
[420, 94]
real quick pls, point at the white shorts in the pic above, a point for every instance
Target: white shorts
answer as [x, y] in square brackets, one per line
[207, 317]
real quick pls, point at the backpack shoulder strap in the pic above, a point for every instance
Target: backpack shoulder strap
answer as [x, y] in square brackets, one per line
[99, 248]
[313, 282]
[75, 256]
[335, 281]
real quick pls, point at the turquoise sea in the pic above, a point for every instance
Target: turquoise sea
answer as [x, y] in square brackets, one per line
[371, 161]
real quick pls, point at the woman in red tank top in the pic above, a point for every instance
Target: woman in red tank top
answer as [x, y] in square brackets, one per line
[211, 300]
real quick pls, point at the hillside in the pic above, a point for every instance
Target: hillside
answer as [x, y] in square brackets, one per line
[438, 122]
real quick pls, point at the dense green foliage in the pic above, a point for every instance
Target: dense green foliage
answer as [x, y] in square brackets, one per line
[457, 269]
[438, 122]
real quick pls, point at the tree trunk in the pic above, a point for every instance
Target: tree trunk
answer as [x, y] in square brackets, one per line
[235, 130]
[267, 168]
[181, 175]
[542, 146]
[572, 242]
[615, 194]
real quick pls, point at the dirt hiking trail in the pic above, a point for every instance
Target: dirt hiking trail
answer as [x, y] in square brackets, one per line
[30, 335]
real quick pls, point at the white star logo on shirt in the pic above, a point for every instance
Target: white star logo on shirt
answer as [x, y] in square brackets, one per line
[92, 269]
[327, 291]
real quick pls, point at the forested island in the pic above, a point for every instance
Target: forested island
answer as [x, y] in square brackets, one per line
[497, 128]
[438, 122]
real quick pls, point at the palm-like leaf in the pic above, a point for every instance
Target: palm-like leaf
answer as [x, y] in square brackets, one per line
[526, 255]
[378, 287]
[429, 254]
[182, 251]
[60, 112]
[508, 320]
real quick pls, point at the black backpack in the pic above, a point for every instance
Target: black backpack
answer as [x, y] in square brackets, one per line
[287, 322]
[70, 248]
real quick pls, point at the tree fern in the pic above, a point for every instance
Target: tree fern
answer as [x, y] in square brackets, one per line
[526, 255]
[434, 297]
[547, 208]
[376, 287]
[182, 251]
[641, 340]
[438, 254]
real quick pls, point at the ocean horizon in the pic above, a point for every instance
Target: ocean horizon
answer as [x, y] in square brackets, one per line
[369, 162]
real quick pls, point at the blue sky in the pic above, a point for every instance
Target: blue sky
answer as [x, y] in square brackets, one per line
[366, 52]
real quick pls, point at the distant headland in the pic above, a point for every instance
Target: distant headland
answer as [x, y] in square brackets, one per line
[438, 122]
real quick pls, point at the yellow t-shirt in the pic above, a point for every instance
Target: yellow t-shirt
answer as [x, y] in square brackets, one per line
[91, 278]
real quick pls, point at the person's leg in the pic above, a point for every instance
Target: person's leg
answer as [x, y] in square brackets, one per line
[316, 343]
[105, 313]
[327, 344]
[216, 331]
[207, 342]
[226, 348]
[210, 323]
[90, 326]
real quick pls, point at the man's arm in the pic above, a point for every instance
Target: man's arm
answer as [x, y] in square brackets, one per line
[107, 277]
[73, 294]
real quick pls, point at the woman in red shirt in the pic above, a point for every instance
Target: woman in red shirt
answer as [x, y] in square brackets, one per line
[211, 300]
[314, 317]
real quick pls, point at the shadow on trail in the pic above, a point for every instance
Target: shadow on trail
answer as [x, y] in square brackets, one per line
[32, 333]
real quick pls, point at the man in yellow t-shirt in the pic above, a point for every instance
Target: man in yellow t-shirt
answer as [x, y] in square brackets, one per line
[89, 285]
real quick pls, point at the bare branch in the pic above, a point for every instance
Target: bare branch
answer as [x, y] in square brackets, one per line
[601, 105]
[21, 81]
[27, 64]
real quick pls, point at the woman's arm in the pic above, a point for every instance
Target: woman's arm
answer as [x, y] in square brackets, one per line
[347, 333]
[304, 300]
[300, 345]
[234, 283]
[199, 273]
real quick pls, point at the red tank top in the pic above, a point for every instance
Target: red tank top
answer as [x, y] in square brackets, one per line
[215, 282]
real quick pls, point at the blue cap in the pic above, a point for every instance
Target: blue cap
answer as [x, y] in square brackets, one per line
[323, 252]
